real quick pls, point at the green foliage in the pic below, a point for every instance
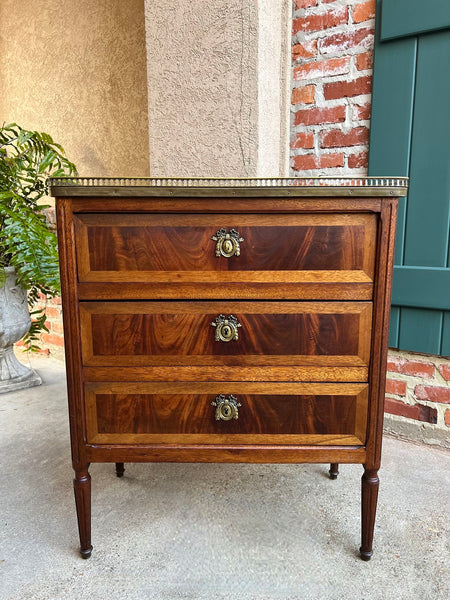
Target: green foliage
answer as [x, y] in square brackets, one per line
[27, 241]
[31, 338]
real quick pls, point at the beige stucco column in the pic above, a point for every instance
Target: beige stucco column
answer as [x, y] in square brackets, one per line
[217, 93]
[274, 87]
[77, 70]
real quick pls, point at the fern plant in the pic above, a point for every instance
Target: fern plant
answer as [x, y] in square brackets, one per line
[27, 241]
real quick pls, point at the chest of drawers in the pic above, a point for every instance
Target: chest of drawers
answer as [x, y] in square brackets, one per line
[226, 321]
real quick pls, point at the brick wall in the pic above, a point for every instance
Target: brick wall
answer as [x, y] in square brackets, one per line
[332, 55]
[418, 397]
[51, 343]
[332, 79]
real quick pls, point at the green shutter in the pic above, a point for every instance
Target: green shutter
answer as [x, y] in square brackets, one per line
[410, 133]
[401, 18]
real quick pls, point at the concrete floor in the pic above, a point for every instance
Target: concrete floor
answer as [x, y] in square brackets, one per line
[206, 531]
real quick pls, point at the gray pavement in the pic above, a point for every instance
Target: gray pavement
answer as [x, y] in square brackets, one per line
[210, 531]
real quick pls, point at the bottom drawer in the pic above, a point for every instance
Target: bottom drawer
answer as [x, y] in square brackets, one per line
[226, 413]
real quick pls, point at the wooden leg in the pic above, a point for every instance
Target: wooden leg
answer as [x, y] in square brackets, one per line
[82, 489]
[334, 470]
[369, 493]
[120, 469]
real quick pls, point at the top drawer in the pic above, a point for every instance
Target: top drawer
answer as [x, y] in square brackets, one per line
[162, 256]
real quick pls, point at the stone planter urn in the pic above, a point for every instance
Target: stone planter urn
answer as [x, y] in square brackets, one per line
[14, 323]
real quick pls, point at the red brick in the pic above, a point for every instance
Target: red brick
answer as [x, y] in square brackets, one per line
[322, 68]
[418, 412]
[410, 367]
[364, 11]
[56, 301]
[317, 116]
[305, 3]
[304, 50]
[347, 89]
[52, 313]
[57, 327]
[304, 95]
[360, 159]
[392, 364]
[445, 371]
[308, 162]
[361, 112]
[303, 140]
[338, 42]
[332, 160]
[433, 393]
[327, 19]
[364, 60]
[51, 338]
[304, 162]
[338, 139]
[393, 386]
[447, 417]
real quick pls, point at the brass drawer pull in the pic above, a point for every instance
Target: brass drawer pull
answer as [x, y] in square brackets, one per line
[226, 328]
[227, 244]
[226, 407]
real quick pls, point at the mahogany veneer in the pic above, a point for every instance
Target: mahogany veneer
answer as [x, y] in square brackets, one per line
[218, 321]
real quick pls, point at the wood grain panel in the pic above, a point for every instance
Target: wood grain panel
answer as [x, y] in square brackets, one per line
[110, 246]
[139, 413]
[226, 373]
[220, 453]
[272, 333]
[276, 289]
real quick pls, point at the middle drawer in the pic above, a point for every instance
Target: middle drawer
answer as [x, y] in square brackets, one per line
[220, 333]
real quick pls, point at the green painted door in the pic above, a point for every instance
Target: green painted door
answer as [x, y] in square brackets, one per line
[410, 135]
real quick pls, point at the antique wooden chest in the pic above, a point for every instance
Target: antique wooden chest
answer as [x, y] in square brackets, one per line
[216, 320]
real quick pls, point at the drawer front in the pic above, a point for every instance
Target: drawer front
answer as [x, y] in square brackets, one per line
[152, 413]
[226, 333]
[179, 250]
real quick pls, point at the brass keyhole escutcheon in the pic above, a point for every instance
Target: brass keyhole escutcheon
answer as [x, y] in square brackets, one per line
[225, 412]
[228, 247]
[226, 407]
[226, 328]
[227, 243]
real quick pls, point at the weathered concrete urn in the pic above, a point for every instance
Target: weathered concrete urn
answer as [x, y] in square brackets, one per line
[14, 323]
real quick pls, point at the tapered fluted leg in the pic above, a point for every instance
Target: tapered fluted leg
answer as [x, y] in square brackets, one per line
[82, 489]
[369, 493]
[334, 470]
[120, 469]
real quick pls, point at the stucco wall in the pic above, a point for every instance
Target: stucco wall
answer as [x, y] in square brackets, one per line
[77, 70]
[216, 103]
[202, 77]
